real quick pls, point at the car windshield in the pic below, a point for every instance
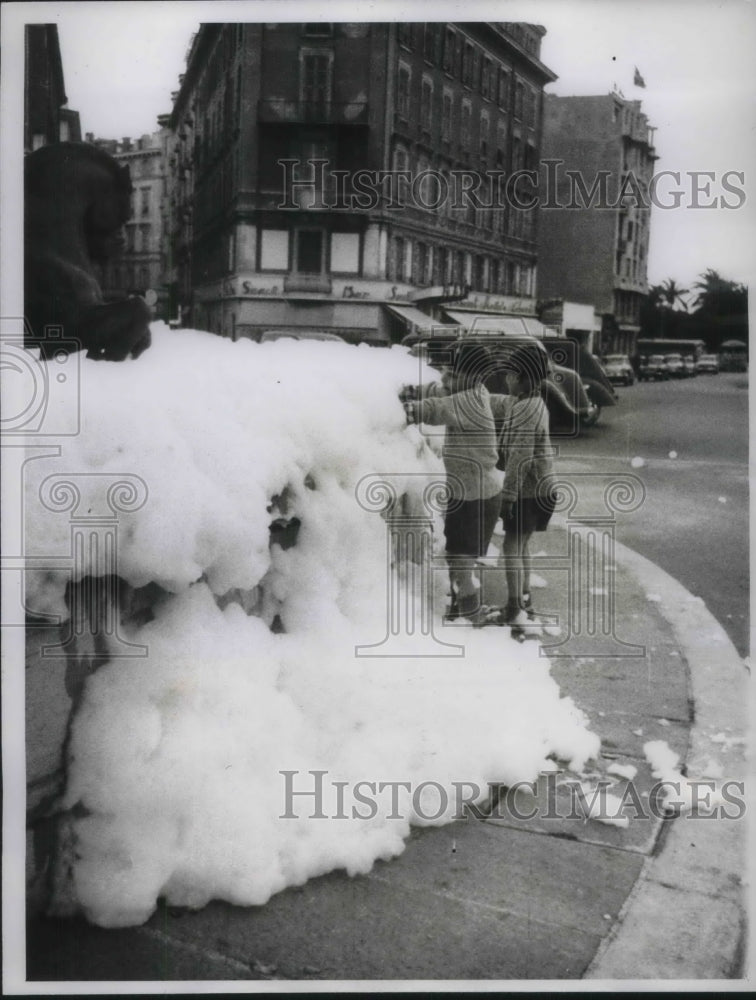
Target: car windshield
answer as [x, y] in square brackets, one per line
[616, 359]
[674, 357]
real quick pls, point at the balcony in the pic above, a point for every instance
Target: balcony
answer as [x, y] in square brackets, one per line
[313, 112]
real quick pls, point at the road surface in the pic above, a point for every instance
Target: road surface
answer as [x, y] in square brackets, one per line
[692, 436]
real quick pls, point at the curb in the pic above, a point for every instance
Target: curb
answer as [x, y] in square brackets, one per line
[685, 918]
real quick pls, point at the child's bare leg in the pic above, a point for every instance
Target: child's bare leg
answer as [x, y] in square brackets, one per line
[464, 583]
[526, 563]
[513, 567]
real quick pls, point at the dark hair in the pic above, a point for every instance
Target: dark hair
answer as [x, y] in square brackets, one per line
[472, 362]
[530, 362]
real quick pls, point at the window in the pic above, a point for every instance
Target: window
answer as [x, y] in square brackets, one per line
[449, 50]
[446, 119]
[501, 146]
[517, 156]
[145, 195]
[409, 253]
[519, 99]
[345, 253]
[420, 262]
[404, 33]
[458, 272]
[503, 89]
[403, 92]
[321, 29]
[532, 112]
[426, 105]
[315, 83]
[464, 137]
[309, 251]
[439, 265]
[486, 78]
[398, 269]
[467, 65]
[274, 250]
[429, 42]
[485, 126]
[446, 187]
[312, 178]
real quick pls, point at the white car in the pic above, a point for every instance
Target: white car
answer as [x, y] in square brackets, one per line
[708, 363]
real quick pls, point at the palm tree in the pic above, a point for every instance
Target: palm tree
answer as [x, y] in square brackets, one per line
[673, 294]
[721, 308]
[714, 292]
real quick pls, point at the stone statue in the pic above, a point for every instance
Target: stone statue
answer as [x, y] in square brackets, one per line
[77, 199]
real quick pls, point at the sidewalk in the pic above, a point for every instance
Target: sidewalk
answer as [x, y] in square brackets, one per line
[503, 898]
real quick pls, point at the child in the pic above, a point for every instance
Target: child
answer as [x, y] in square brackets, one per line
[526, 454]
[474, 483]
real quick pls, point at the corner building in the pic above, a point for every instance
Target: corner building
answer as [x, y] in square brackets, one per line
[597, 251]
[283, 211]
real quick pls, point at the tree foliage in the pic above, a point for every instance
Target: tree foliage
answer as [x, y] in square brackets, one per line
[719, 310]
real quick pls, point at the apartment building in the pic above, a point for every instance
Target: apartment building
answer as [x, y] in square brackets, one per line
[142, 265]
[594, 242]
[352, 177]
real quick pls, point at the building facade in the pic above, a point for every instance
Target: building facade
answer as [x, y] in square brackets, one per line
[351, 177]
[595, 235]
[46, 119]
[142, 265]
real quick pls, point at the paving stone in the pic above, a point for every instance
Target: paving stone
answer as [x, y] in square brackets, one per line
[65, 950]
[556, 881]
[661, 938]
[557, 808]
[623, 734]
[376, 927]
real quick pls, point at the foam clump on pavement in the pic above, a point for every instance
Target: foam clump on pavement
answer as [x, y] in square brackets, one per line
[176, 758]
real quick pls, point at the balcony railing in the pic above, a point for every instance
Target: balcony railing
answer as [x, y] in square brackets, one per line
[313, 112]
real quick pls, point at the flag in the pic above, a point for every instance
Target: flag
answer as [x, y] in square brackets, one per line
[638, 79]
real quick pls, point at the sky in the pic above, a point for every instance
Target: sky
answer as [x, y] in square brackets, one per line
[121, 61]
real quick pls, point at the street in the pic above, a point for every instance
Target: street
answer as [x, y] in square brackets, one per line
[692, 436]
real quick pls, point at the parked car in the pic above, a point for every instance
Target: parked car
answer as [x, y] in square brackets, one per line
[708, 364]
[618, 369]
[675, 365]
[654, 367]
[690, 365]
[296, 333]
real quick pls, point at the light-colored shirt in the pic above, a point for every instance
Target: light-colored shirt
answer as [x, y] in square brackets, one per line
[524, 443]
[470, 452]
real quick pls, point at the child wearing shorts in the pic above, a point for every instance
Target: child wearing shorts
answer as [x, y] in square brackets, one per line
[526, 454]
[474, 483]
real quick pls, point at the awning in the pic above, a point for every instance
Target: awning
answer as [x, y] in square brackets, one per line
[413, 319]
[535, 327]
[490, 323]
